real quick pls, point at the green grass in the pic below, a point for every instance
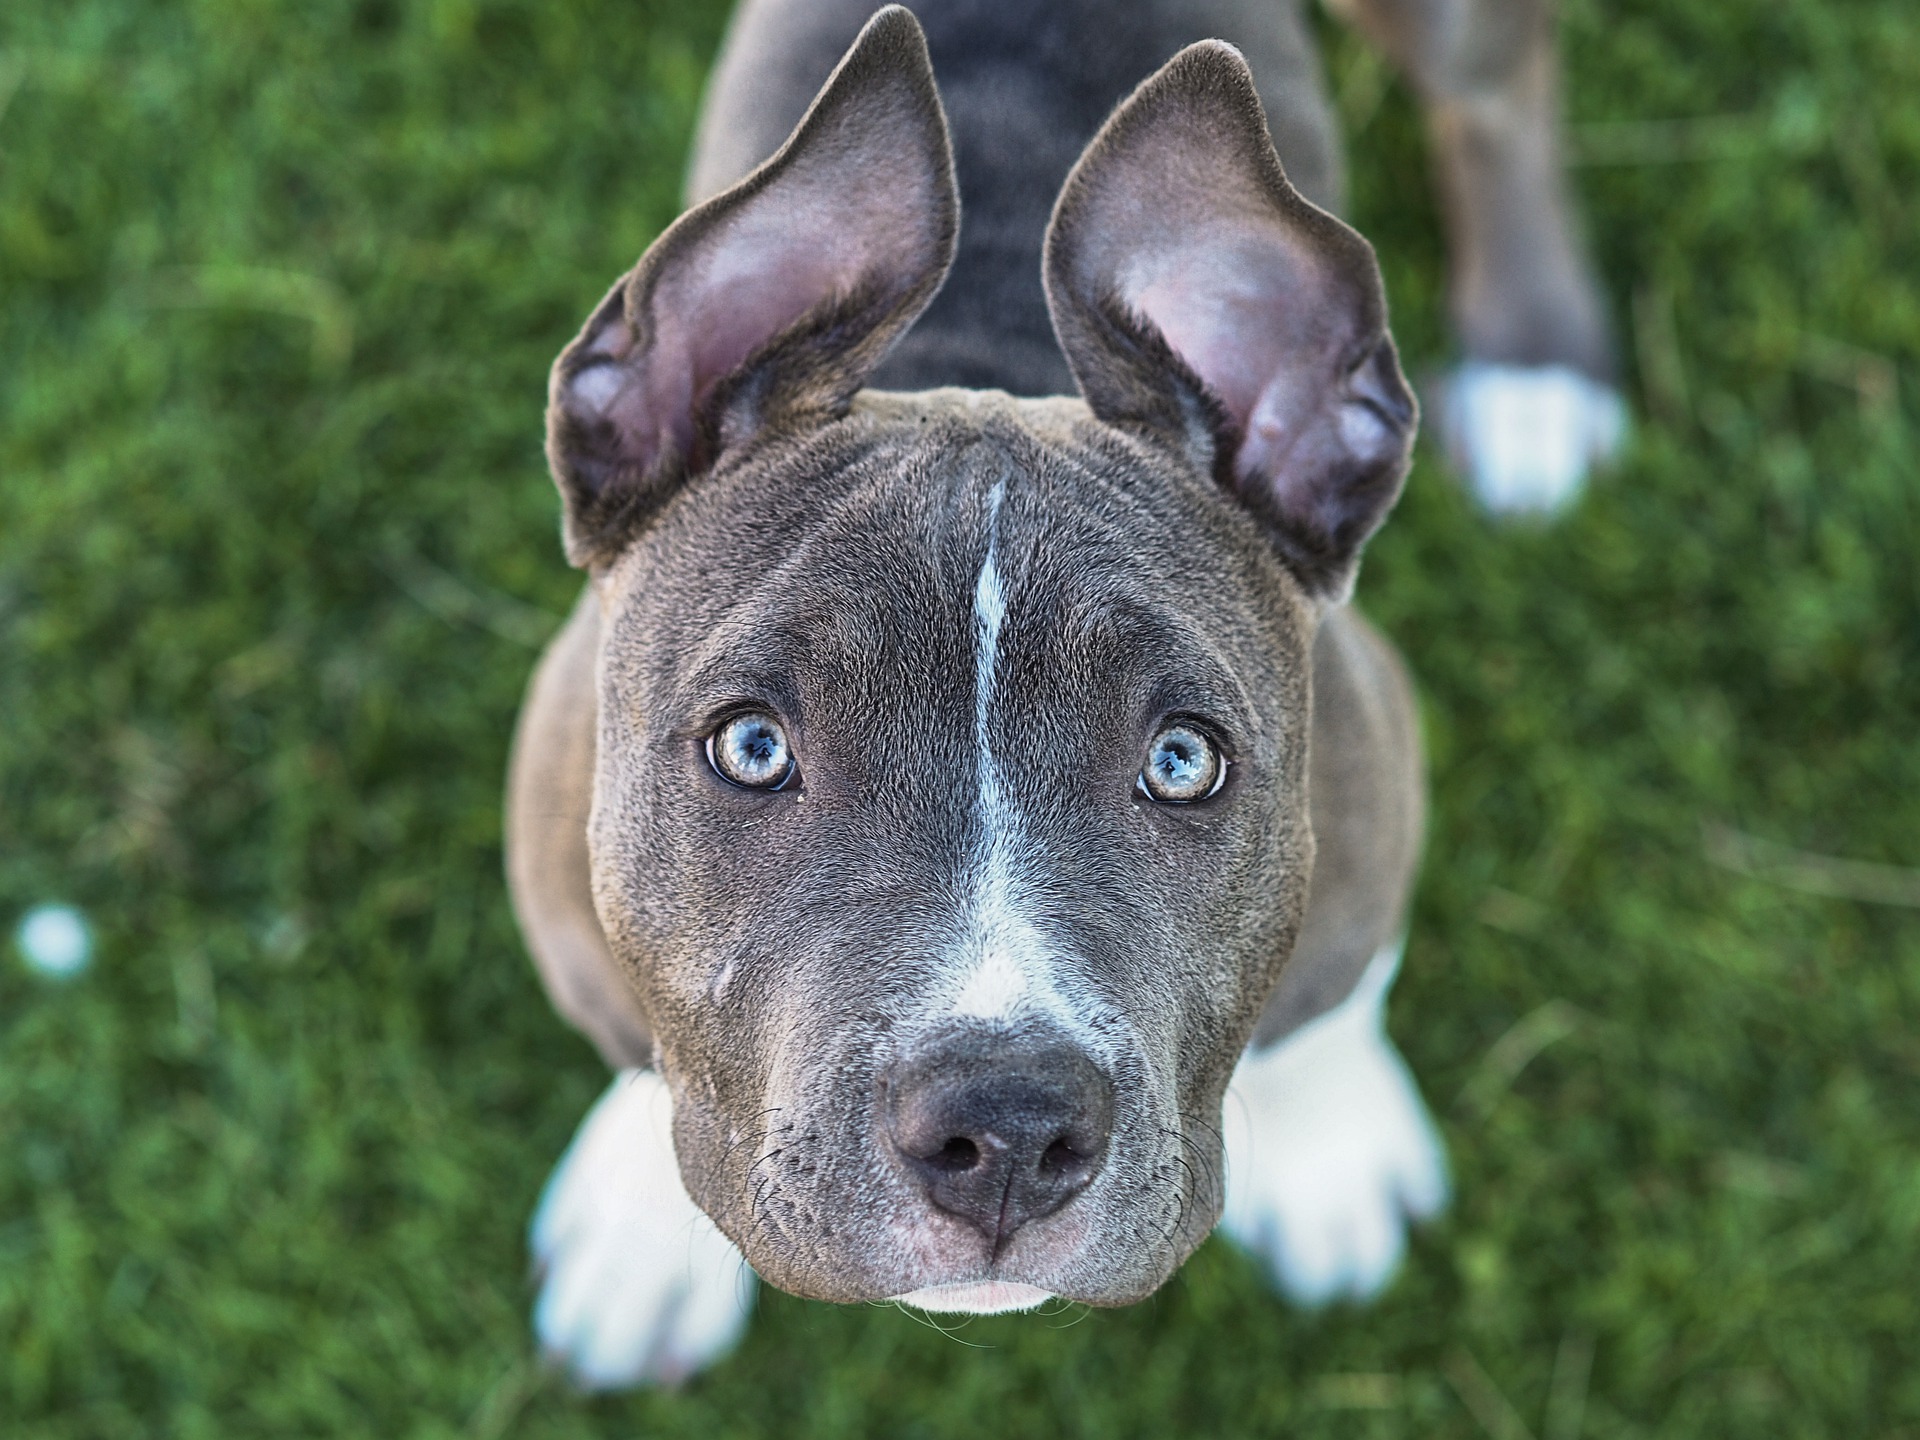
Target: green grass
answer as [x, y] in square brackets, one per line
[278, 289]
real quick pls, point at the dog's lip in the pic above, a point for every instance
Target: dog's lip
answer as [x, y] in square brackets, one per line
[975, 1297]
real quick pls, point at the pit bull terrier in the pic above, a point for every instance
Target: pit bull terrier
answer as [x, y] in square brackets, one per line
[963, 764]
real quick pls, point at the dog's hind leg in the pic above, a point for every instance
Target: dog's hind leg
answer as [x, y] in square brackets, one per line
[637, 1285]
[1534, 404]
[1330, 1152]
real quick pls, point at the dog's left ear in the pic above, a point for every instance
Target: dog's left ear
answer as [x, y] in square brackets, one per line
[767, 306]
[1199, 296]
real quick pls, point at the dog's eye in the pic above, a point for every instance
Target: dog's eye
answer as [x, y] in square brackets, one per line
[1182, 765]
[751, 750]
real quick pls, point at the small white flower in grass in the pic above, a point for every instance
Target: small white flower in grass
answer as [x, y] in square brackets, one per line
[54, 940]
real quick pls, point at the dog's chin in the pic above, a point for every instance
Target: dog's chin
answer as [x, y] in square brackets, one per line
[976, 1297]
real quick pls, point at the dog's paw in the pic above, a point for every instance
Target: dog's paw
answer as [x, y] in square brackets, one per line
[1526, 436]
[1330, 1152]
[637, 1284]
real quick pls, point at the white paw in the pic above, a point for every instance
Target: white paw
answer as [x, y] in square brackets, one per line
[1526, 435]
[1330, 1151]
[637, 1284]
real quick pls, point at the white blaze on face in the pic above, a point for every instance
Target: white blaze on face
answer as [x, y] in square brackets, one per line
[1006, 959]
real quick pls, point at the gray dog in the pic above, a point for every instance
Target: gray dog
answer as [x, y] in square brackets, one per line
[915, 809]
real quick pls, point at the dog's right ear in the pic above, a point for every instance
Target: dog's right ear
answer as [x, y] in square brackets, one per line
[768, 305]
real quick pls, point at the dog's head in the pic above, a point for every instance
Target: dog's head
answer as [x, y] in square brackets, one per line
[950, 813]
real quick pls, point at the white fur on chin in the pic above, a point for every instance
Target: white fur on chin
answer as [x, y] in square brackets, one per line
[1330, 1152]
[637, 1285]
[983, 1297]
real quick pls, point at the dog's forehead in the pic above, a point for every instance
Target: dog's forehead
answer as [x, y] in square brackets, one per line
[858, 551]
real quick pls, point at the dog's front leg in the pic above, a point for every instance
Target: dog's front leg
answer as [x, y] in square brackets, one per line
[1533, 406]
[1330, 1152]
[637, 1285]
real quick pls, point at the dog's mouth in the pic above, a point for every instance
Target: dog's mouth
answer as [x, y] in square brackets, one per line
[978, 1297]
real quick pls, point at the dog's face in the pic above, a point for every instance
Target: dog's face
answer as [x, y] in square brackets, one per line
[950, 811]
[964, 632]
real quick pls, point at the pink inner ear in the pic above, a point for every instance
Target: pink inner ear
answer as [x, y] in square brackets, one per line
[757, 278]
[811, 240]
[749, 289]
[1249, 318]
[1220, 318]
[1269, 333]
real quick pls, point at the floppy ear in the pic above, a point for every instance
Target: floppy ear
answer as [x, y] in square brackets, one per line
[1198, 295]
[766, 306]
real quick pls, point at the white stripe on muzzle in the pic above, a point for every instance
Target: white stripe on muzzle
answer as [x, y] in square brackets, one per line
[1008, 963]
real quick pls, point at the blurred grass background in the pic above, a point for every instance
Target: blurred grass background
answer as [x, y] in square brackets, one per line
[278, 289]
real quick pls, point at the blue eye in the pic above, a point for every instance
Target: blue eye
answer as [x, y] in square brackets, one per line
[1182, 765]
[751, 751]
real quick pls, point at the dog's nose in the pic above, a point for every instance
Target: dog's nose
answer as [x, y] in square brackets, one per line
[999, 1132]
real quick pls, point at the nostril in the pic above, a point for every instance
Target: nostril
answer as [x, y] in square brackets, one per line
[1060, 1158]
[956, 1157]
